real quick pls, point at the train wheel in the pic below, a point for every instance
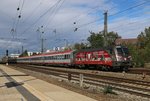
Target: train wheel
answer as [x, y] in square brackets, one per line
[98, 67]
[104, 68]
[125, 69]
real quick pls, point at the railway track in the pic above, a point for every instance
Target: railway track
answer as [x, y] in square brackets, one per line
[136, 87]
[143, 71]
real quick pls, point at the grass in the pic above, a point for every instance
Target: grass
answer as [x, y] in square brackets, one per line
[108, 90]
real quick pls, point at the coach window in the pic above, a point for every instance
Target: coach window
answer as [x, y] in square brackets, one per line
[55, 57]
[60, 57]
[65, 57]
[68, 56]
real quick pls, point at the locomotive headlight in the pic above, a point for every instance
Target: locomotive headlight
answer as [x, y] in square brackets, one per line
[119, 58]
[130, 58]
[125, 59]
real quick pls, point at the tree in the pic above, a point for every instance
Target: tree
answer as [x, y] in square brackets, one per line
[141, 52]
[144, 44]
[79, 46]
[111, 38]
[25, 53]
[144, 38]
[96, 40]
[136, 55]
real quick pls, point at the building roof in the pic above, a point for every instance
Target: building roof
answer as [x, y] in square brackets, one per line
[126, 41]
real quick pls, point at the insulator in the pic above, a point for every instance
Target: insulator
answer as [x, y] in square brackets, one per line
[18, 9]
[75, 29]
[12, 30]
[19, 16]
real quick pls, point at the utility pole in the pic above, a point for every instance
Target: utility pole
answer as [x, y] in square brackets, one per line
[105, 29]
[41, 31]
[22, 49]
[42, 46]
[7, 53]
[6, 57]
[66, 43]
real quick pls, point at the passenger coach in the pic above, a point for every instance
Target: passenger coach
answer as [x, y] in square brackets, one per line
[54, 58]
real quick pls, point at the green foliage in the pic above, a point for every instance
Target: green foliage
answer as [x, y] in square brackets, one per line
[141, 52]
[79, 46]
[136, 56]
[144, 38]
[144, 44]
[108, 89]
[111, 38]
[96, 40]
[34, 53]
[25, 53]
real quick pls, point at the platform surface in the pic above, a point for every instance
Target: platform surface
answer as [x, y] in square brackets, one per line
[17, 86]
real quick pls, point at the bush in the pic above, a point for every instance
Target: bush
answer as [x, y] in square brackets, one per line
[108, 89]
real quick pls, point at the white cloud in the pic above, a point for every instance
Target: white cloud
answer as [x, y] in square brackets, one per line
[10, 44]
[71, 11]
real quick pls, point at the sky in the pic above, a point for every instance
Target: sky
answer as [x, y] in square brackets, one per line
[26, 22]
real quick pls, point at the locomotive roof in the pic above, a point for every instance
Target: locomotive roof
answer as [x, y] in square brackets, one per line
[95, 49]
[99, 49]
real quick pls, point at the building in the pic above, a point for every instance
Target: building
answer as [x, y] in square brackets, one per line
[14, 55]
[132, 41]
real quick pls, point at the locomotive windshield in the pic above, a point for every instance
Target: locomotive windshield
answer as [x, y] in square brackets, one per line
[122, 51]
[119, 51]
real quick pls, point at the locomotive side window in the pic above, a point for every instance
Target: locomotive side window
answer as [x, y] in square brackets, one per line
[126, 51]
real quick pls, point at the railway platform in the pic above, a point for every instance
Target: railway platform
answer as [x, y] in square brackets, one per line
[18, 86]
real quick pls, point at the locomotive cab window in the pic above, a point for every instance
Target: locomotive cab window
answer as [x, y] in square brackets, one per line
[119, 51]
[126, 51]
[122, 51]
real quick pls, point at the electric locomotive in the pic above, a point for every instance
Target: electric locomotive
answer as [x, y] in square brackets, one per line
[116, 57]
